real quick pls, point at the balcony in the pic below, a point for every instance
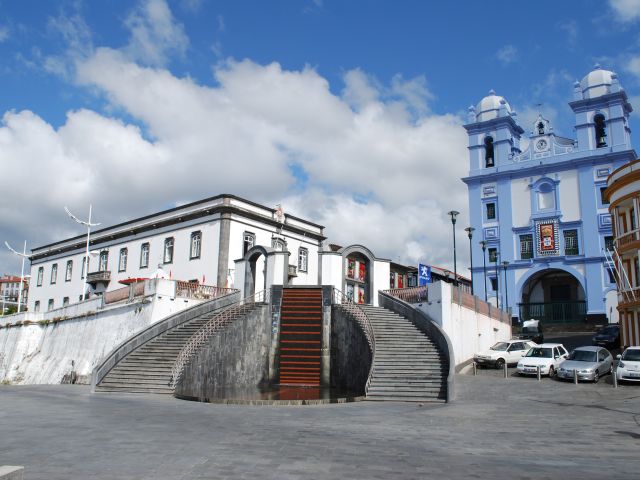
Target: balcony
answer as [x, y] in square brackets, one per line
[625, 239]
[103, 276]
[554, 312]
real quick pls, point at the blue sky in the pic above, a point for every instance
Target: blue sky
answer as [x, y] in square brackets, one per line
[347, 112]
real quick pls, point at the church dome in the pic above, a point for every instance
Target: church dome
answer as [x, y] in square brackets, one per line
[489, 107]
[596, 83]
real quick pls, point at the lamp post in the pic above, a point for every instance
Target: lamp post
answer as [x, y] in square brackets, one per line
[483, 244]
[495, 259]
[24, 256]
[505, 264]
[85, 261]
[470, 231]
[454, 214]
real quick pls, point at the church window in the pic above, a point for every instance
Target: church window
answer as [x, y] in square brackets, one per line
[69, 271]
[249, 240]
[493, 255]
[494, 284]
[168, 250]
[540, 128]
[608, 243]
[546, 197]
[611, 275]
[491, 211]
[40, 275]
[488, 152]
[526, 246]
[601, 131]
[571, 242]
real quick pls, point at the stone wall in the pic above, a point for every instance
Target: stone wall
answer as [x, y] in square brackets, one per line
[237, 357]
[350, 354]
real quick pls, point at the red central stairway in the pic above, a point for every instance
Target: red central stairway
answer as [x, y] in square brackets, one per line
[300, 336]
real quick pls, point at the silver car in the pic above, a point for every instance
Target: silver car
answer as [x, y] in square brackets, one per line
[590, 362]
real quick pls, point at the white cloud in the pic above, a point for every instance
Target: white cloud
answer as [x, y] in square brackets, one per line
[507, 54]
[4, 33]
[77, 37]
[626, 10]
[377, 168]
[633, 66]
[571, 29]
[155, 34]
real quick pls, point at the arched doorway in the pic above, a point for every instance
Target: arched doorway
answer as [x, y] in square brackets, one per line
[255, 272]
[358, 273]
[553, 296]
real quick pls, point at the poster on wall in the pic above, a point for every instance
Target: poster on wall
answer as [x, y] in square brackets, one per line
[400, 281]
[360, 295]
[424, 274]
[547, 238]
[350, 291]
[351, 268]
[362, 272]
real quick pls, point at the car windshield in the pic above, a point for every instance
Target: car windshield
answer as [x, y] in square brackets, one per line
[583, 356]
[631, 355]
[500, 346]
[539, 352]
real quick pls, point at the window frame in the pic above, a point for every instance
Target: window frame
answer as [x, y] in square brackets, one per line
[301, 251]
[523, 255]
[54, 274]
[196, 240]
[168, 250]
[569, 251]
[103, 262]
[40, 277]
[245, 236]
[487, 206]
[68, 273]
[145, 254]
[123, 258]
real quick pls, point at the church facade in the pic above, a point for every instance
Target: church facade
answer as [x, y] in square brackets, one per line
[540, 208]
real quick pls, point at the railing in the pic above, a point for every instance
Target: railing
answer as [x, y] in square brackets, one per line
[464, 299]
[362, 320]
[410, 294]
[554, 312]
[627, 238]
[101, 276]
[212, 326]
[199, 291]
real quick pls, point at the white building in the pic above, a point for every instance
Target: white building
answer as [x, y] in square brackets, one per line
[225, 241]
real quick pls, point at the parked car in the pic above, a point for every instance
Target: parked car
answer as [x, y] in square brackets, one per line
[508, 352]
[607, 337]
[531, 330]
[629, 365]
[548, 356]
[590, 362]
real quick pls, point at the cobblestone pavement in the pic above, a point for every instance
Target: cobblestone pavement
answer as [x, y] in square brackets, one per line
[514, 428]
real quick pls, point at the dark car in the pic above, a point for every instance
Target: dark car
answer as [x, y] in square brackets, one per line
[608, 337]
[531, 330]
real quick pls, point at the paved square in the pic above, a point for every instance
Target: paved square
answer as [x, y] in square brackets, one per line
[515, 428]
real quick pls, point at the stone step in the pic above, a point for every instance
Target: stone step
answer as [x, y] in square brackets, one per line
[111, 389]
[397, 398]
[132, 381]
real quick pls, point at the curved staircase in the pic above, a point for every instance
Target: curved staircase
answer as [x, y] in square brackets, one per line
[148, 368]
[407, 365]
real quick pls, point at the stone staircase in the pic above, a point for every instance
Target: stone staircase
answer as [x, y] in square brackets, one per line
[407, 365]
[147, 369]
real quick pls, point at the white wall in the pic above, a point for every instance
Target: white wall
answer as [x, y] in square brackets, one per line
[521, 202]
[381, 271]
[469, 331]
[42, 354]
[570, 195]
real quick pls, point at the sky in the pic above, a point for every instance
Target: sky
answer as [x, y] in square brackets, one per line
[348, 113]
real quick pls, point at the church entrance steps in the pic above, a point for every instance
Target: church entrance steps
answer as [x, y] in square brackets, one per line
[407, 365]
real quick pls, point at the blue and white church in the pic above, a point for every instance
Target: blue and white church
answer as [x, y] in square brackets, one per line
[538, 209]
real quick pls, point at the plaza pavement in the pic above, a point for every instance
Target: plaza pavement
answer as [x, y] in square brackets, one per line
[515, 428]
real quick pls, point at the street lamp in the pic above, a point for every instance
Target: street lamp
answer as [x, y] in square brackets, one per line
[23, 255]
[483, 244]
[454, 214]
[505, 264]
[495, 259]
[85, 261]
[469, 231]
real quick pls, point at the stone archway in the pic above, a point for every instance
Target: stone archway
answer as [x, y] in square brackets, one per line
[552, 295]
[256, 269]
[358, 264]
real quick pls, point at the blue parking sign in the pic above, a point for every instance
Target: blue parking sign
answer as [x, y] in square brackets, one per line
[424, 274]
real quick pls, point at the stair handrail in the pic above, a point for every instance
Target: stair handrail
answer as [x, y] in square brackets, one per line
[347, 303]
[208, 329]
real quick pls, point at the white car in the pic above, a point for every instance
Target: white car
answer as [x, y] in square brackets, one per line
[547, 356]
[508, 352]
[629, 365]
